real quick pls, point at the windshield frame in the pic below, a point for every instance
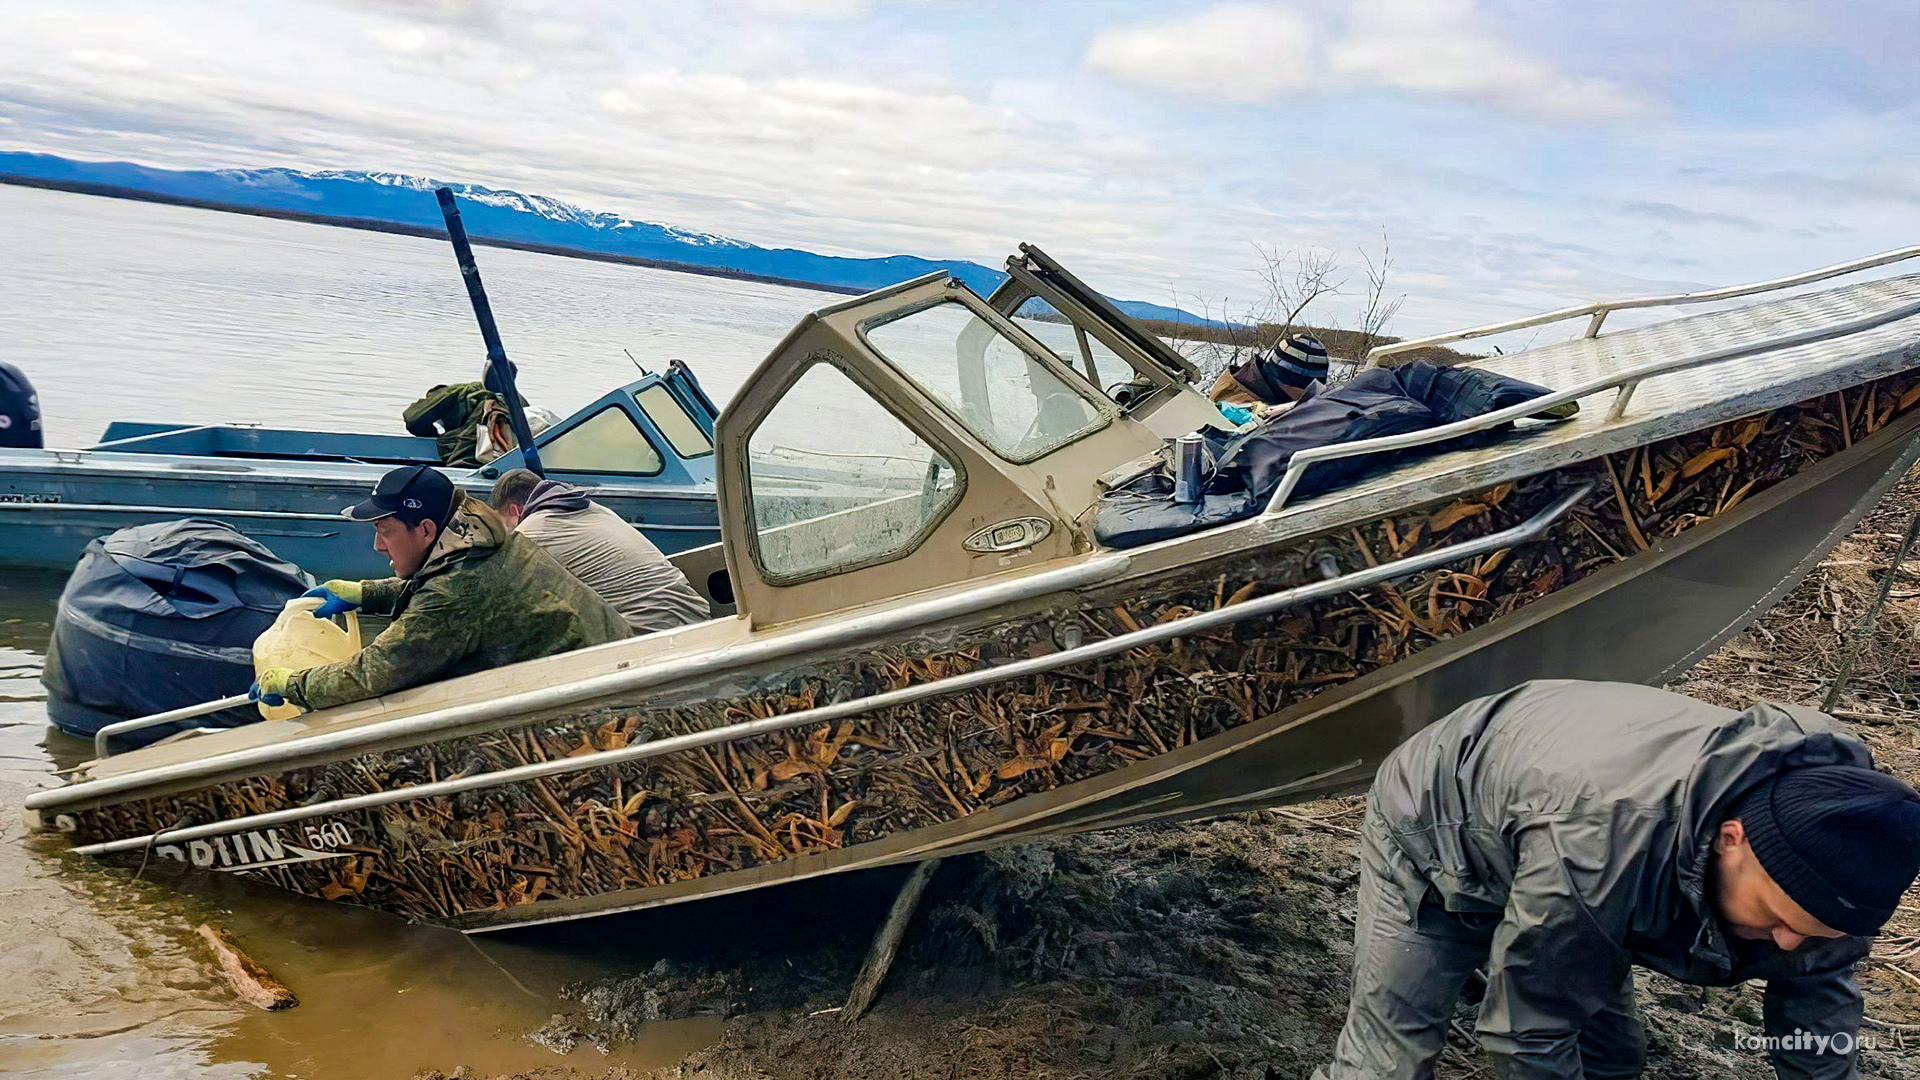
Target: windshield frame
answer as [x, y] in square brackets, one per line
[1105, 410]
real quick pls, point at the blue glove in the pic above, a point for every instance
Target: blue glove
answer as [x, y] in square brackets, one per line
[270, 688]
[1233, 412]
[337, 596]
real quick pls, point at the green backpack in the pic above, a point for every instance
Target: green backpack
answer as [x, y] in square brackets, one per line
[450, 415]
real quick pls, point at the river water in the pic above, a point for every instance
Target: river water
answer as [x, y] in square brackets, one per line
[125, 310]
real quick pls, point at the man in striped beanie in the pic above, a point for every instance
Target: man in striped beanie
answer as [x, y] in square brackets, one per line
[1290, 371]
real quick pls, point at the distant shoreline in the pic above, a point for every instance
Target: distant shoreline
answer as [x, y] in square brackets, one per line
[115, 191]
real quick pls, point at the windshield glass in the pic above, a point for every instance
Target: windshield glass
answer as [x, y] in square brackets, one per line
[1038, 318]
[1010, 399]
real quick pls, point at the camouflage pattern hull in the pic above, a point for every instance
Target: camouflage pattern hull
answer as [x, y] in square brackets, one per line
[1679, 545]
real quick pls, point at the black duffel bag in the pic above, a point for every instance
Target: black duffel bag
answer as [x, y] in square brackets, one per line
[159, 617]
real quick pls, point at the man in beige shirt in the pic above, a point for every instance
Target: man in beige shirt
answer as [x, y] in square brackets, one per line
[602, 550]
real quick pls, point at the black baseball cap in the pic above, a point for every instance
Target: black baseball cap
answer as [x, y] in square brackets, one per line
[412, 493]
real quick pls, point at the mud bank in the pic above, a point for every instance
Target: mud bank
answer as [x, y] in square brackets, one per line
[1222, 949]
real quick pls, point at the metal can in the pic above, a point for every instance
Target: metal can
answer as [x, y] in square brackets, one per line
[1189, 468]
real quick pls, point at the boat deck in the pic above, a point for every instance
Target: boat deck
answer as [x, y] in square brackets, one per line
[1663, 405]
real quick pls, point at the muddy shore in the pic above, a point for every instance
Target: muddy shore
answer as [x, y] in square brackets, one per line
[1218, 949]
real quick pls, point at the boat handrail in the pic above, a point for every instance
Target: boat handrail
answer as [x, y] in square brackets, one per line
[163, 434]
[652, 676]
[175, 511]
[1625, 381]
[103, 737]
[1599, 309]
[1181, 627]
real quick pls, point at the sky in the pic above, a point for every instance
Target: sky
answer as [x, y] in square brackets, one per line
[1515, 156]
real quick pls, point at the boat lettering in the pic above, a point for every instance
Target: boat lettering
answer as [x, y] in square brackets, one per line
[26, 497]
[257, 849]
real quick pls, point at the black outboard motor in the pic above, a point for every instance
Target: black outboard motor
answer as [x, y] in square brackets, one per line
[19, 410]
[159, 617]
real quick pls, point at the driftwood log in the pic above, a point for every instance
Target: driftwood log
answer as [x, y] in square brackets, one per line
[873, 972]
[255, 985]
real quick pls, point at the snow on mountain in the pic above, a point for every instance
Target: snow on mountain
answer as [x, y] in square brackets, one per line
[397, 199]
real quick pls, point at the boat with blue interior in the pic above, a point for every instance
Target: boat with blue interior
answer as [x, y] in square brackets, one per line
[644, 450]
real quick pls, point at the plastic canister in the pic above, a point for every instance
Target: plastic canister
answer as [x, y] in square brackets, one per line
[299, 639]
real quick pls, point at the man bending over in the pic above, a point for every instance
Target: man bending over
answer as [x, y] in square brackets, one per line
[601, 549]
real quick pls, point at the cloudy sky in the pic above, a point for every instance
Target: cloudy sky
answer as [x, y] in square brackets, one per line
[1518, 155]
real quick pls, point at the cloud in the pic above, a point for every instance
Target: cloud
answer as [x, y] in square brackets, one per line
[1243, 53]
[1880, 183]
[811, 9]
[1247, 53]
[1448, 49]
[1680, 215]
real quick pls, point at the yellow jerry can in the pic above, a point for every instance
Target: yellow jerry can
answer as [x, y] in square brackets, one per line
[299, 639]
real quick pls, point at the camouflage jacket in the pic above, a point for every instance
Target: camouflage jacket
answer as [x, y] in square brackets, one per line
[486, 597]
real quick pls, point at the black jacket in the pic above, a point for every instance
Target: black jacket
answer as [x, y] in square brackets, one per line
[1248, 467]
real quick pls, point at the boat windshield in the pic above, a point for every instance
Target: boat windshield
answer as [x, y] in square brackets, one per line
[1102, 366]
[1014, 401]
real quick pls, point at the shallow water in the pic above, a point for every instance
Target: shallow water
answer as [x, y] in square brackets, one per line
[101, 974]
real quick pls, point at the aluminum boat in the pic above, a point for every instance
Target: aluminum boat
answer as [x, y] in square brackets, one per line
[645, 450]
[950, 661]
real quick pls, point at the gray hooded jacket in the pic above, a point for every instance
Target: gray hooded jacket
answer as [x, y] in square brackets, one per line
[1583, 814]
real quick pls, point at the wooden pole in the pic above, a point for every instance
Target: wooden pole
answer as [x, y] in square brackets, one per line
[887, 942]
[255, 984]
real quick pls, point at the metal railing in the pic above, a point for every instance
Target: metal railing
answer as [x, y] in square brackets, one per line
[1624, 381]
[1182, 627]
[623, 679]
[177, 511]
[105, 735]
[1600, 309]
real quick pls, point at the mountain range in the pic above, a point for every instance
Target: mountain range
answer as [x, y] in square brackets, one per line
[396, 202]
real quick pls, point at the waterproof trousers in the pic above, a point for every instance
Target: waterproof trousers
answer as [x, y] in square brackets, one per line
[1411, 958]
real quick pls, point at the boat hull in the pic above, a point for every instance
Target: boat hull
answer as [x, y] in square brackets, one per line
[1643, 618]
[1646, 619]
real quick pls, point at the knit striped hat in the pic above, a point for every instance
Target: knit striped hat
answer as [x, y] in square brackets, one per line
[1299, 362]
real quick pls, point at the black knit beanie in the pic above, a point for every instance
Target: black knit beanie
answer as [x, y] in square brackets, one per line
[1842, 841]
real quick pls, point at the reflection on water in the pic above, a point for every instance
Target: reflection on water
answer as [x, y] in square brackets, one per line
[101, 973]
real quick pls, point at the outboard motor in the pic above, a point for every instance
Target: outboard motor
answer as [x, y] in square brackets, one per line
[162, 616]
[19, 410]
